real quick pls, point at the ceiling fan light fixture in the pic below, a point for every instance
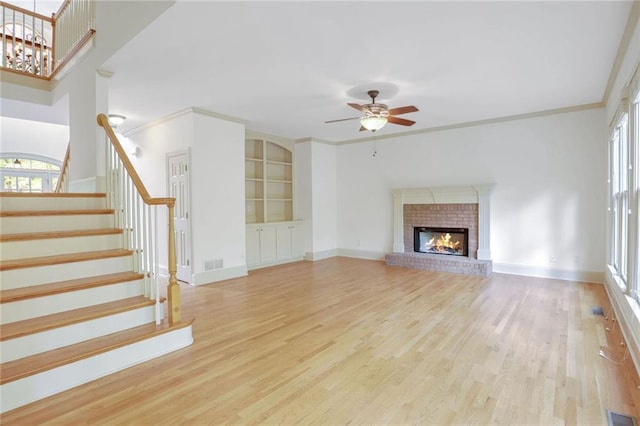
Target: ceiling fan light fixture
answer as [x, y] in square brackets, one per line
[116, 119]
[373, 122]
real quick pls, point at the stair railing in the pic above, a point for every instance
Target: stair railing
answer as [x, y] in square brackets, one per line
[63, 181]
[136, 213]
[26, 41]
[40, 46]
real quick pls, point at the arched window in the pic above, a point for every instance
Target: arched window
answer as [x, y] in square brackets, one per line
[28, 173]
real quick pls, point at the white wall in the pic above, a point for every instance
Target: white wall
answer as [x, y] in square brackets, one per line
[218, 205]
[303, 188]
[316, 200]
[548, 201]
[217, 185]
[324, 198]
[33, 137]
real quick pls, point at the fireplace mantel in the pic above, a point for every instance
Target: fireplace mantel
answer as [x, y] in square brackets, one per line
[471, 194]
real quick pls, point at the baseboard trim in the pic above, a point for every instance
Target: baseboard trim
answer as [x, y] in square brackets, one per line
[626, 318]
[320, 255]
[362, 254]
[560, 274]
[90, 184]
[215, 275]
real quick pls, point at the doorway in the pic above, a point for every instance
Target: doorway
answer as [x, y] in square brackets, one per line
[179, 188]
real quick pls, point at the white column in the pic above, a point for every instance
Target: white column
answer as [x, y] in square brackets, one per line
[87, 98]
[398, 220]
[484, 221]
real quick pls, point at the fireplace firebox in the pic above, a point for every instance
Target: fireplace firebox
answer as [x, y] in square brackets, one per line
[446, 241]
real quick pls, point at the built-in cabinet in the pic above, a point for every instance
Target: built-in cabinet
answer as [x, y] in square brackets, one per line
[273, 236]
[273, 243]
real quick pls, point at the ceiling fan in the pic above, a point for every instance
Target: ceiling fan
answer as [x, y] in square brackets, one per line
[375, 115]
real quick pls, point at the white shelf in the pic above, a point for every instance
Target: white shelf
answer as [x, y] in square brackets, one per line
[269, 181]
[282, 163]
[279, 180]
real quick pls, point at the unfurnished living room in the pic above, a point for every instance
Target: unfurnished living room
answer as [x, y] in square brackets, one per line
[366, 212]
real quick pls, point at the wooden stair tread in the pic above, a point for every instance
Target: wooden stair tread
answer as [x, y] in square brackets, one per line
[53, 194]
[61, 319]
[26, 213]
[23, 293]
[24, 367]
[62, 258]
[58, 234]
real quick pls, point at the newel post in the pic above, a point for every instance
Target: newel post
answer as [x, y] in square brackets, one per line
[173, 289]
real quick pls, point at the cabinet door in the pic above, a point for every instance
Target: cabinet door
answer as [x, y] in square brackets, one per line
[253, 246]
[297, 240]
[283, 243]
[267, 244]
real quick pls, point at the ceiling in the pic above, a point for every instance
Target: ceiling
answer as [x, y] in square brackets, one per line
[287, 67]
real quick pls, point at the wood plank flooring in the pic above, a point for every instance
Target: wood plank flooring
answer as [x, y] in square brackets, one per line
[354, 341]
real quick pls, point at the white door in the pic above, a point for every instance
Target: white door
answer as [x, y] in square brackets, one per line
[178, 164]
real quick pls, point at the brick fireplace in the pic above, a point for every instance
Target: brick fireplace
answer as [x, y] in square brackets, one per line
[462, 207]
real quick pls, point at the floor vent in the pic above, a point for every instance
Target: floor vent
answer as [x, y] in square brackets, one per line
[597, 310]
[617, 419]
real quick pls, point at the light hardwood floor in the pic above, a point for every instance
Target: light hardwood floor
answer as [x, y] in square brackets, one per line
[354, 341]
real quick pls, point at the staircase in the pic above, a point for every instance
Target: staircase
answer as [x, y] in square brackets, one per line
[72, 308]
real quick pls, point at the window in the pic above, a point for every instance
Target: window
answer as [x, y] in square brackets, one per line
[634, 134]
[619, 202]
[28, 173]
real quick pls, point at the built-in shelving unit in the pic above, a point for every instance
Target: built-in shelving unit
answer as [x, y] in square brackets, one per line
[268, 181]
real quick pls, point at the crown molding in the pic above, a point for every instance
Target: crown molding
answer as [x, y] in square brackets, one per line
[634, 17]
[544, 113]
[317, 140]
[190, 110]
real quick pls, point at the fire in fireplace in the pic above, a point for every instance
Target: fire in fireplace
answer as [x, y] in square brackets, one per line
[449, 241]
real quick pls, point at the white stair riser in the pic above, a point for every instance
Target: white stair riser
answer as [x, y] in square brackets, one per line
[24, 391]
[36, 307]
[24, 277]
[51, 203]
[23, 224]
[53, 246]
[75, 333]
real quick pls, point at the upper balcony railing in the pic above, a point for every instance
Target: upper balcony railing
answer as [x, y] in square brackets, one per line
[38, 45]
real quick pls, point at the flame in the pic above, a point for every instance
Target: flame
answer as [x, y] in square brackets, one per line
[443, 243]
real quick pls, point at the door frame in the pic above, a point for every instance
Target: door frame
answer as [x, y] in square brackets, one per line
[168, 155]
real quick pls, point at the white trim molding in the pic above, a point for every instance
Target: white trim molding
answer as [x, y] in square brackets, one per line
[320, 255]
[208, 277]
[542, 272]
[471, 194]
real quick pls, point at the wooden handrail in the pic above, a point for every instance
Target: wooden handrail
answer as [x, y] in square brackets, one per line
[25, 11]
[84, 40]
[173, 289]
[64, 170]
[103, 121]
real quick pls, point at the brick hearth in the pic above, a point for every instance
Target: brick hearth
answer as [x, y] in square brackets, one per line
[439, 263]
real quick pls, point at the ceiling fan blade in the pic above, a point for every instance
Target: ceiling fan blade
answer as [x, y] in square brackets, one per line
[400, 121]
[356, 106]
[402, 110]
[343, 119]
